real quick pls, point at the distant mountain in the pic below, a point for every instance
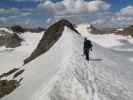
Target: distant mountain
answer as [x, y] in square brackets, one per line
[4, 30]
[35, 30]
[10, 36]
[93, 30]
[52, 34]
[20, 29]
[123, 31]
[9, 40]
[17, 29]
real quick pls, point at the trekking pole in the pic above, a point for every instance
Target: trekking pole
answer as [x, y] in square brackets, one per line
[92, 54]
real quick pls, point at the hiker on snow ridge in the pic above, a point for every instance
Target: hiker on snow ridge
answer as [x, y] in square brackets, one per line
[87, 48]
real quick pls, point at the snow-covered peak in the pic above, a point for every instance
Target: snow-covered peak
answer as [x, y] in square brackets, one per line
[86, 29]
[51, 36]
[82, 28]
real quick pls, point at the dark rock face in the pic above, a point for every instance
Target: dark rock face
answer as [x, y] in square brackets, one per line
[18, 73]
[9, 72]
[3, 36]
[52, 34]
[2, 41]
[17, 29]
[128, 31]
[8, 86]
[10, 40]
[125, 31]
[13, 41]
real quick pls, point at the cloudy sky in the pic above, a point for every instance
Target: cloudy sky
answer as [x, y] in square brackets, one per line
[33, 13]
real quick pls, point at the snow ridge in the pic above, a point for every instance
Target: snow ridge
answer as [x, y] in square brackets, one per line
[75, 80]
[62, 73]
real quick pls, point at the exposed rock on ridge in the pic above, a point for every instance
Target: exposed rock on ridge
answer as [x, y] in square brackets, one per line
[52, 34]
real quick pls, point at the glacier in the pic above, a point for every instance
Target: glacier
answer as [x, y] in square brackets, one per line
[62, 73]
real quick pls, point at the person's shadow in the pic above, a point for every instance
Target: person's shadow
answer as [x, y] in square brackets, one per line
[97, 59]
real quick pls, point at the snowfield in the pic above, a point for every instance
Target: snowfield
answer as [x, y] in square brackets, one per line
[62, 73]
[105, 40]
[112, 59]
[15, 56]
[30, 42]
[110, 41]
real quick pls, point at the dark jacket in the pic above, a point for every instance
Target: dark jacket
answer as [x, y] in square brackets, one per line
[87, 44]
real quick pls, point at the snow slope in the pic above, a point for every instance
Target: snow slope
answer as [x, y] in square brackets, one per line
[112, 61]
[30, 42]
[15, 56]
[113, 73]
[62, 73]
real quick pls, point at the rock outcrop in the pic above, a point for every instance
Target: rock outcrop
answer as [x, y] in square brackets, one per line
[124, 31]
[17, 29]
[128, 31]
[7, 86]
[10, 40]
